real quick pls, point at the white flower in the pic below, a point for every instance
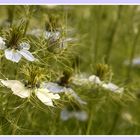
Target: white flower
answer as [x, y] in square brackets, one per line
[135, 62]
[94, 79]
[52, 35]
[16, 54]
[112, 87]
[79, 115]
[19, 89]
[56, 88]
[80, 79]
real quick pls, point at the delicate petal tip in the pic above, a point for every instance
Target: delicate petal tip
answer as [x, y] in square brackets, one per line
[24, 46]
[27, 55]
[2, 44]
[12, 55]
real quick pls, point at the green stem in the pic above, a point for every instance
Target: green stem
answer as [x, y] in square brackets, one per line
[89, 127]
[112, 35]
[132, 54]
[115, 121]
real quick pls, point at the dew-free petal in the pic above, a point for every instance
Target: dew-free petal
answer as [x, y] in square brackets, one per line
[53, 87]
[112, 87]
[46, 97]
[27, 55]
[12, 55]
[17, 87]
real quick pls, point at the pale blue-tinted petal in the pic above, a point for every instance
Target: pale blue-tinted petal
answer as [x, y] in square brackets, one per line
[12, 55]
[52, 35]
[24, 46]
[2, 44]
[27, 55]
[65, 114]
[81, 115]
[74, 95]
[54, 87]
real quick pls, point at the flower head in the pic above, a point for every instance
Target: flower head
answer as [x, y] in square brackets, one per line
[78, 114]
[19, 89]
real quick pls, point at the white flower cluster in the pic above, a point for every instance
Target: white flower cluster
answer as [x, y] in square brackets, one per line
[93, 79]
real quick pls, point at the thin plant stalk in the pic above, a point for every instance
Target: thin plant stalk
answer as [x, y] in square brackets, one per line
[112, 35]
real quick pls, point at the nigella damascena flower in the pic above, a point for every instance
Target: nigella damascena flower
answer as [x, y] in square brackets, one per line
[56, 88]
[15, 53]
[93, 79]
[135, 62]
[19, 89]
[52, 35]
[78, 114]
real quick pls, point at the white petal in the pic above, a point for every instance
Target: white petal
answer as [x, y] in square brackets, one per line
[81, 115]
[27, 55]
[95, 79]
[12, 55]
[46, 97]
[24, 46]
[17, 87]
[65, 114]
[53, 35]
[112, 87]
[2, 44]
[74, 95]
[54, 87]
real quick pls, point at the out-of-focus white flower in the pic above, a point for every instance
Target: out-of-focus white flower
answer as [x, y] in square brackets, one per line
[79, 115]
[16, 54]
[95, 79]
[56, 88]
[19, 89]
[135, 62]
[36, 32]
[127, 117]
[80, 79]
[112, 87]
[52, 35]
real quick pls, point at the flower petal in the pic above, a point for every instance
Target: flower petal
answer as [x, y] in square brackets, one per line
[12, 55]
[17, 87]
[65, 114]
[54, 87]
[53, 35]
[95, 79]
[24, 46]
[2, 44]
[27, 55]
[46, 97]
[74, 95]
[112, 87]
[81, 115]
